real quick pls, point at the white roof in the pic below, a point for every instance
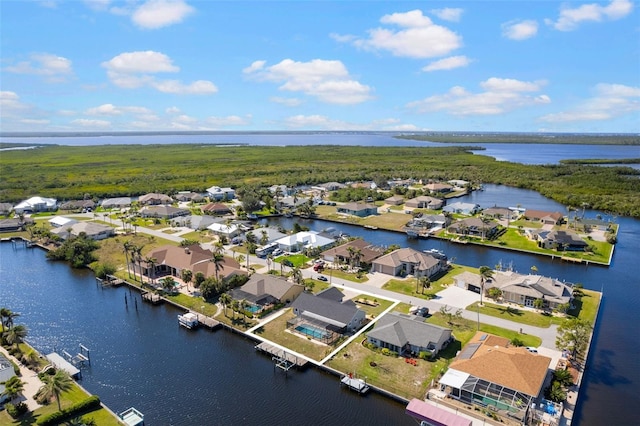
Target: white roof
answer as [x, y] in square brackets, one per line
[221, 227]
[307, 238]
[49, 202]
[454, 378]
[61, 221]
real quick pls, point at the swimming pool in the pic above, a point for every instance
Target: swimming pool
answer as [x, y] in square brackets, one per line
[253, 308]
[549, 407]
[314, 332]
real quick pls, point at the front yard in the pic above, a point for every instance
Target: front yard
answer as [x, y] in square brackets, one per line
[410, 286]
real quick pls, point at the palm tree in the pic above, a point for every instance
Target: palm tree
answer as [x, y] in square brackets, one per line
[225, 299]
[218, 260]
[186, 276]
[7, 316]
[30, 357]
[296, 274]
[485, 275]
[127, 248]
[168, 283]
[15, 335]
[56, 385]
[12, 387]
[151, 268]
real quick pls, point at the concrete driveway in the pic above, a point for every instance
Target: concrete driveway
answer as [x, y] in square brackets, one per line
[456, 297]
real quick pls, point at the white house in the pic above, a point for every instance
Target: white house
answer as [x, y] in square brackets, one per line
[221, 229]
[217, 193]
[36, 204]
[61, 221]
[303, 240]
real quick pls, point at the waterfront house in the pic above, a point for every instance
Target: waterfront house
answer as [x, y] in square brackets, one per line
[172, 260]
[154, 199]
[565, 240]
[408, 335]
[499, 213]
[36, 204]
[292, 202]
[547, 218]
[424, 202]
[5, 208]
[303, 240]
[95, 231]
[116, 203]
[325, 316]
[438, 187]
[474, 227]
[429, 222]
[224, 230]
[218, 194]
[489, 372]
[358, 252]
[6, 373]
[394, 200]
[331, 186]
[407, 261]
[358, 209]
[195, 221]
[458, 207]
[263, 291]
[458, 183]
[79, 205]
[521, 289]
[14, 224]
[266, 235]
[163, 212]
[216, 209]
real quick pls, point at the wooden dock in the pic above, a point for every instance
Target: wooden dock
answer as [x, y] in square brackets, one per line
[281, 354]
[352, 383]
[572, 259]
[207, 322]
[152, 298]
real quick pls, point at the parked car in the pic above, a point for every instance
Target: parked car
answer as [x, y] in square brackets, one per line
[422, 312]
[532, 349]
[322, 278]
[277, 252]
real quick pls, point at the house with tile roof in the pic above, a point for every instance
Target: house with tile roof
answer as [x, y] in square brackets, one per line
[548, 218]
[113, 203]
[264, 290]
[154, 199]
[358, 209]
[163, 211]
[425, 202]
[407, 261]
[95, 231]
[218, 209]
[394, 200]
[489, 372]
[564, 240]
[364, 251]
[462, 208]
[303, 240]
[408, 335]
[474, 227]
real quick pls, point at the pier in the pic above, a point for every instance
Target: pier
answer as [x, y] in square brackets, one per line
[152, 298]
[132, 417]
[283, 359]
[59, 362]
[208, 322]
[358, 385]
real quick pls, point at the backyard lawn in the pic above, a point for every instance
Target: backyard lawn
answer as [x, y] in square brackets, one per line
[408, 286]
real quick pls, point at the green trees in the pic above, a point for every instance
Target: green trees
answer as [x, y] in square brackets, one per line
[77, 250]
[495, 293]
[486, 274]
[573, 335]
[168, 284]
[16, 334]
[187, 276]
[55, 385]
[225, 299]
[12, 388]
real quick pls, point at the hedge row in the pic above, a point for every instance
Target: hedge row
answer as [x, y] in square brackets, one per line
[89, 404]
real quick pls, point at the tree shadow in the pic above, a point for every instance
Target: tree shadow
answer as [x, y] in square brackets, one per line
[604, 372]
[513, 312]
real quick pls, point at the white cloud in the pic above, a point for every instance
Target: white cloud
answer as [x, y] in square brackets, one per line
[155, 14]
[172, 110]
[230, 120]
[132, 70]
[418, 37]
[112, 110]
[519, 30]
[96, 124]
[255, 66]
[54, 68]
[448, 14]
[500, 96]
[322, 122]
[610, 101]
[570, 18]
[328, 81]
[290, 102]
[98, 5]
[10, 103]
[182, 118]
[448, 63]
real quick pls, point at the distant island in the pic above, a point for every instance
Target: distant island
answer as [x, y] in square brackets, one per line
[522, 138]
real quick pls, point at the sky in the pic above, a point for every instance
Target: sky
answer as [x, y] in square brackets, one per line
[182, 65]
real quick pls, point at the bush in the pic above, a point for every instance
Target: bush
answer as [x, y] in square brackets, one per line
[103, 269]
[16, 410]
[88, 404]
[425, 355]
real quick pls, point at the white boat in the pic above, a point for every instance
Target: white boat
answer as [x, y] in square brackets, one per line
[188, 320]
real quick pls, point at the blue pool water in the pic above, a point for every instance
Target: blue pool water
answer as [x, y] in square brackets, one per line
[253, 308]
[550, 408]
[312, 331]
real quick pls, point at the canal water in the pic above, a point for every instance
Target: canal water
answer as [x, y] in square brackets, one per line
[141, 357]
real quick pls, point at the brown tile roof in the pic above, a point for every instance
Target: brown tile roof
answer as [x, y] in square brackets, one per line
[369, 251]
[511, 367]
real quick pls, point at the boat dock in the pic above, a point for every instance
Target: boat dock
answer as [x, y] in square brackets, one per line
[285, 359]
[358, 385]
[59, 362]
[132, 417]
[208, 322]
[152, 298]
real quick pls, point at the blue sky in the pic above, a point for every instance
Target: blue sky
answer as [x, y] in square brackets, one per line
[162, 65]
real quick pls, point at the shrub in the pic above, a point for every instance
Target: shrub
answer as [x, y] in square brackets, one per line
[16, 410]
[425, 355]
[88, 404]
[517, 342]
[103, 269]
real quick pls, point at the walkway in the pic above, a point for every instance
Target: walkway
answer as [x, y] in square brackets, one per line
[31, 383]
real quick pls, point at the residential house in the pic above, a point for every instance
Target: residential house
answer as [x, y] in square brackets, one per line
[5, 208]
[331, 186]
[408, 335]
[589, 224]
[195, 221]
[154, 199]
[163, 211]
[15, 224]
[325, 316]
[216, 209]
[6, 373]
[358, 209]
[403, 183]
[186, 196]
[364, 185]
[474, 227]
[425, 413]
[563, 240]
[267, 235]
[93, 230]
[116, 203]
[407, 261]
[462, 208]
[490, 372]
[438, 187]
[36, 204]
[224, 230]
[303, 240]
[79, 205]
[292, 202]
[61, 221]
[433, 222]
[499, 213]
[548, 218]
[219, 194]
[425, 202]
[521, 289]
[359, 252]
[263, 291]
[458, 183]
[394, 200]
[172, 260]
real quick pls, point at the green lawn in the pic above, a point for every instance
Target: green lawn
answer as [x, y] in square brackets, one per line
[586, 306]
[297, 260]
[408, 286]
[373, 311]
[195, 304]
[522, 316]
[337, 273]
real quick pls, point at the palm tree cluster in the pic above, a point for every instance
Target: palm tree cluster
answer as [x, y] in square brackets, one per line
[11, 334]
